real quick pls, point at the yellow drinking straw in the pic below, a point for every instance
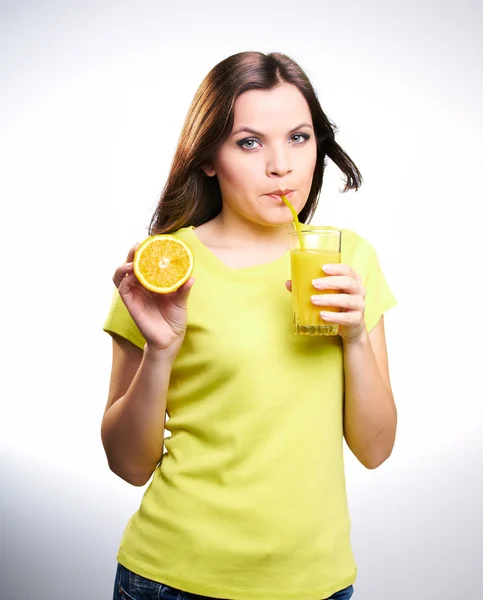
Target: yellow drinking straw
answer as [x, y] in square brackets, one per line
[296, 222]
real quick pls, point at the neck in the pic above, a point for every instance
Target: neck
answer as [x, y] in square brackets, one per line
[235, 232]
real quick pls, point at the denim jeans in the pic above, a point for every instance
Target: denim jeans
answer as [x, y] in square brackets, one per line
[129, 586]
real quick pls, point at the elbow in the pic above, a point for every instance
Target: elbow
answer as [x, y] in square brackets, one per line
[371, 456]
[372, 464]
[126, 471]
[374, 454]
[118, 465]
[133, 477]
[135, 480]
[374, 461]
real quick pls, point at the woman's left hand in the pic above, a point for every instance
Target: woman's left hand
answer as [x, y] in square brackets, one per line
[349, 300]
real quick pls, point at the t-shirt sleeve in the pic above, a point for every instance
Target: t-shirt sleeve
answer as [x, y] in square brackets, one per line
[119, 321]
[379, 297]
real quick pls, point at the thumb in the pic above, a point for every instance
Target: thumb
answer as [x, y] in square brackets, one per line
[288, 285]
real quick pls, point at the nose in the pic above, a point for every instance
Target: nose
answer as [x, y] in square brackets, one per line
[279, 163]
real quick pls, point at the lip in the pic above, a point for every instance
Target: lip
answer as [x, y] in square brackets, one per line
[277, 194]
[280, 193]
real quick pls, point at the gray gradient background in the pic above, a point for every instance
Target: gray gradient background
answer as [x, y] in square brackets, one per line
[91, 103]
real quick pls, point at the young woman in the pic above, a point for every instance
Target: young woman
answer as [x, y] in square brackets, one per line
[249, 499]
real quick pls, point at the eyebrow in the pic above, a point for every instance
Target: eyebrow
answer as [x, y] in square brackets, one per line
[260, 134]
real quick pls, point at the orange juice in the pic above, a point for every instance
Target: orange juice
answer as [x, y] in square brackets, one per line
[306, 266]
[322, 246]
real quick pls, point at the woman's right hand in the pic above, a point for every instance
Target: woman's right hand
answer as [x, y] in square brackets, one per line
[161, 318]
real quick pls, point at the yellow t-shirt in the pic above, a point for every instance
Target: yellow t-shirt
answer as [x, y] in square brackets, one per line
[249, 500]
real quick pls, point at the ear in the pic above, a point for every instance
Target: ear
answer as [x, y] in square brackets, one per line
[209, 170]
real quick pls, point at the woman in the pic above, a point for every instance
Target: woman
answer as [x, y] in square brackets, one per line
[249, 499]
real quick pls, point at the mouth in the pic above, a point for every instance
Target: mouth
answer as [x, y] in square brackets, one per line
[277, 194]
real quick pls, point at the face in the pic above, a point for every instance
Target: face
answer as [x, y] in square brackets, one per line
[271, 150]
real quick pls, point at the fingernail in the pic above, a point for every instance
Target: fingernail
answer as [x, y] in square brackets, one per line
[328, 268]
[317, 283]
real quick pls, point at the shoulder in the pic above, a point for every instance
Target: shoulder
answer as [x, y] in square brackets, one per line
[360, 254]
[185, 234]
[357, 247]
[354, 247]
[119, 322]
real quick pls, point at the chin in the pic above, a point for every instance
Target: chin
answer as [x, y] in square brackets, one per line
[281, 218]
[275, 222]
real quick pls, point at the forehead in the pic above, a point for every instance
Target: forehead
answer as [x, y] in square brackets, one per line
[281, 107]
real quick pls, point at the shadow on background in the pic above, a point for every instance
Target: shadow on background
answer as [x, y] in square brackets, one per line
[417, 533]
[60, 535]
[417, 530]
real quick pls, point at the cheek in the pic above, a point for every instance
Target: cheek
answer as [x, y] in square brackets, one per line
[229, 180]
[234, 174]
[306, 159]
[310, 163]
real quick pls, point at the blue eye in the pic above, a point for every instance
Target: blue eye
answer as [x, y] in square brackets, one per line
[252, 143]
[301, 138]
[248, 143]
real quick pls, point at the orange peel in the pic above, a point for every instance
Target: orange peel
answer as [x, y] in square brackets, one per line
[163, 263]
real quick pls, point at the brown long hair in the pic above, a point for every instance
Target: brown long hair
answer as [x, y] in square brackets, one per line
[190, 197]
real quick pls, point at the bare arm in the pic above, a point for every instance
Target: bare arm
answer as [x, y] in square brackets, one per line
[132, 427]
[133, 423]
[370, 415]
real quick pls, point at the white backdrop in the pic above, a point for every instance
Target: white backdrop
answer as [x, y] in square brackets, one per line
[93, 96]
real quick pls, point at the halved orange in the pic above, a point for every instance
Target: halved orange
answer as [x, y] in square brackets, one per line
[162, 263]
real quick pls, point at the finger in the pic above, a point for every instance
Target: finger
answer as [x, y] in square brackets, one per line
[338, 282]
[121, 272]
[129, 281]
[132, 251]
[339, 269]
[288, 285]
[345, 301]
[342, 269]
[130, 291]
